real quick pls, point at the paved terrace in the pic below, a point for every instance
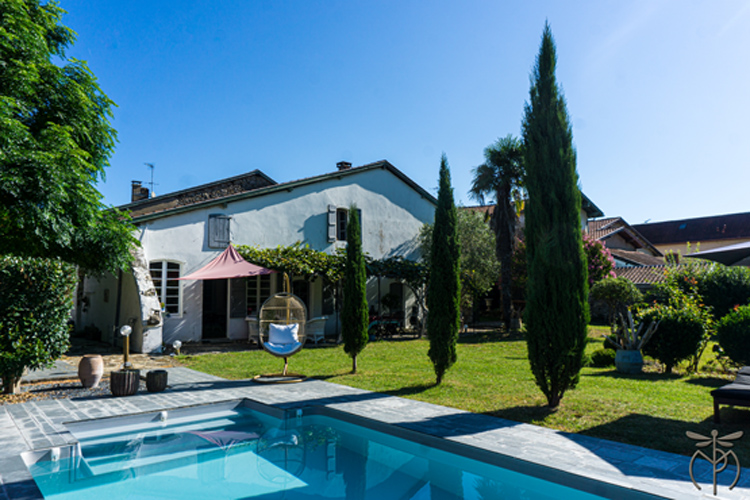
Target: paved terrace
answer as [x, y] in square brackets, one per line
[40, 424]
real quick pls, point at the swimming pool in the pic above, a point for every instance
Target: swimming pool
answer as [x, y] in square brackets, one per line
[244, 450]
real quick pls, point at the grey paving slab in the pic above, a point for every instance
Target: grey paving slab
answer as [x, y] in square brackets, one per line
[42, 424]
[60, 370]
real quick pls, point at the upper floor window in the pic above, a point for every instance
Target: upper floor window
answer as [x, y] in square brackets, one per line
[342, 215]
[164, 275]
[218, 231]
[338, 221]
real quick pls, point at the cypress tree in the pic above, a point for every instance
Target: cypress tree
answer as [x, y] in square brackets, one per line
[444, 289]
[557, 311]
[354, 318]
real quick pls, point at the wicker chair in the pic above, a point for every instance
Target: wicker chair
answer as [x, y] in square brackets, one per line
[281, 325]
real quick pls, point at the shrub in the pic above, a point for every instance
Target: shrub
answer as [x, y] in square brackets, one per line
[660, 293]
[600, 263]
[722, 288]
[36, 296]
[617, 293]
[733, 332]
[603, 358]
[682, 331]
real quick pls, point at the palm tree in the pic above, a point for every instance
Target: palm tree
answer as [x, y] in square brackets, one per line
[501, 176]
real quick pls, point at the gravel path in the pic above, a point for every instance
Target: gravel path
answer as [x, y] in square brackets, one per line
[60, 389]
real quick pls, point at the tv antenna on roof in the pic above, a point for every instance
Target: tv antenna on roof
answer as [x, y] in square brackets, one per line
[151, 184]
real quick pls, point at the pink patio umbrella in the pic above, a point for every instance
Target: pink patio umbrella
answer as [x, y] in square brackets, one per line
[229, 264]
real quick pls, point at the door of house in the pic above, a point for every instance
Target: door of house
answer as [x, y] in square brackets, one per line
[215, 309]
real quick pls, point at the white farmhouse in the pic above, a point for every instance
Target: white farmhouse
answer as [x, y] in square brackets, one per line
[183, 231]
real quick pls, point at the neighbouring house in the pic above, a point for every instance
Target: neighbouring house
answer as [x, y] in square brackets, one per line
[183, 231]
[628, 247]
[686, 236]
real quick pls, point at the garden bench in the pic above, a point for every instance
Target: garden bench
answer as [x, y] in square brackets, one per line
[736, 394]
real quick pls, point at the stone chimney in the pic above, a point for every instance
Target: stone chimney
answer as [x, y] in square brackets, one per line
[139, 192]
[344, 165]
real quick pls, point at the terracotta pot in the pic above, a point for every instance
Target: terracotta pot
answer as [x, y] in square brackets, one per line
[156, 380]
[628, 361]
[124, 382]
[90, 370]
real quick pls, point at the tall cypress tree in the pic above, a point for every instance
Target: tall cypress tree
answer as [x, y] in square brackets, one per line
[444, 289]
[557, 311]
[354, 319]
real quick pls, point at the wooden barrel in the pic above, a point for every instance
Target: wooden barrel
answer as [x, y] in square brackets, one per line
[156, 380]
[124, 382]
[90, 370]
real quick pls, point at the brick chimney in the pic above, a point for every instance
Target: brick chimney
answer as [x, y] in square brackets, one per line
[344, 165]
[138, 192]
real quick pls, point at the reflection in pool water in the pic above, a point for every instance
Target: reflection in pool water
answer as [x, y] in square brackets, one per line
[246, 454]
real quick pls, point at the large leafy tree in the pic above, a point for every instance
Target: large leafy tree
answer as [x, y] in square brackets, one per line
[479, 266]
[55, 142]
[444, 288]
[354, 319]
[556, 301]
[501, 176]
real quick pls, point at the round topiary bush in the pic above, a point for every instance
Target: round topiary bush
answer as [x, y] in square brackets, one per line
[603, 358]
[678, 337]
[733, 331]
[617, 293]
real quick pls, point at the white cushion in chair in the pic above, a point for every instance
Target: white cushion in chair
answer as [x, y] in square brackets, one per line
[283, 334]
[282, 349]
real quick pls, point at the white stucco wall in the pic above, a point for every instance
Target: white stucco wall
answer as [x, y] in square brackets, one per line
[392, 214]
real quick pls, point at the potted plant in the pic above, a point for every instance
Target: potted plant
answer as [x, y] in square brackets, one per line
[628, 341]
[124, 382]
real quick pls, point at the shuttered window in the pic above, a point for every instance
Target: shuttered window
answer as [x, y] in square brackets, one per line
[341, 219]
[218, 231]
[338, 220]
[164, 274]
[331, 223]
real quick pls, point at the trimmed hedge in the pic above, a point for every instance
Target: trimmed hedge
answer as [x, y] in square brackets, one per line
[733, 332]
[36, 296]
[679, 336]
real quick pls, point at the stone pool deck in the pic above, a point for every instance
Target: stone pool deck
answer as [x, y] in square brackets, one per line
[38, 425]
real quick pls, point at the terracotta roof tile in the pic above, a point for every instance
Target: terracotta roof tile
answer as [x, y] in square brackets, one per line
[650, 275]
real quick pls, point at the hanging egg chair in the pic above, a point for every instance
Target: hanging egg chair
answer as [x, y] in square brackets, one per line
[281, 325]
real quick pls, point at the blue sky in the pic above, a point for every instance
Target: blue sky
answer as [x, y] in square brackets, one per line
[657, 91]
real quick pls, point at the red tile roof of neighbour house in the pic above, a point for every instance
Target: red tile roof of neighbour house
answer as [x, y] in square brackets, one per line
[643, 275]
[717, 227]
[651, 275]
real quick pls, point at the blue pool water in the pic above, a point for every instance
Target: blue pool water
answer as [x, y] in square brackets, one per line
[244, 454]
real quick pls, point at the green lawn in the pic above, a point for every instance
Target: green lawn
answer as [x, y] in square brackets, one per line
[492, 376]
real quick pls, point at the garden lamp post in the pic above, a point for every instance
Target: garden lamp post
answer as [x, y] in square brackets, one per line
[125, 331]
[176, 346]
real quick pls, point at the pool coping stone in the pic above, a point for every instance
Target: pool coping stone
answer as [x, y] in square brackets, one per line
[38, 425]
